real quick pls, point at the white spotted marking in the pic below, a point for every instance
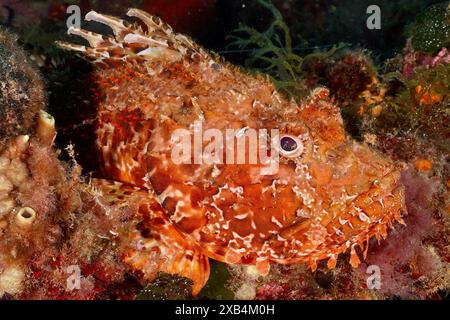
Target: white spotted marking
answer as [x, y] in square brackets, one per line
[275, 221]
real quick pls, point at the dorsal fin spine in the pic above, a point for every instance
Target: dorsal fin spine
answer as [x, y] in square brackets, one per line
[117, 25]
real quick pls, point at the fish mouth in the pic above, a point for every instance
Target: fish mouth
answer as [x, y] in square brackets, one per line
[371, 214]
[377, 201]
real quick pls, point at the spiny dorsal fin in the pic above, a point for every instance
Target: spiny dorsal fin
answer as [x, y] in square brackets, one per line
[130, 42]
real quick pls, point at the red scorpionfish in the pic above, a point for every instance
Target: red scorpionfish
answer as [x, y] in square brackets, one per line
[329, 195]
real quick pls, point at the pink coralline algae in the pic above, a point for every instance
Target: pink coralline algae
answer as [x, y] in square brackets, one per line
[413, 59]
[409, 261]
[442, 57]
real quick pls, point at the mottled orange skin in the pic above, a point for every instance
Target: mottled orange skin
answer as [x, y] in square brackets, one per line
[333, 197]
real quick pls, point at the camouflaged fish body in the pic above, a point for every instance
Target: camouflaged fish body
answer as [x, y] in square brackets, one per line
[328, 199]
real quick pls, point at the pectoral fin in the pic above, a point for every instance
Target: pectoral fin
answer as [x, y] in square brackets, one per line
[150, 243]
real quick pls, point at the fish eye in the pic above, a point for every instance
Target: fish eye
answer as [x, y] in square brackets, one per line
[290, 146]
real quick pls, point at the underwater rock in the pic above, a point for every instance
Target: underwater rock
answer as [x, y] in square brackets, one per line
[417, 113]
[348, 76]
[21, 89]
[409, 263]
[50, 220]
[413, 127]
[353, 81]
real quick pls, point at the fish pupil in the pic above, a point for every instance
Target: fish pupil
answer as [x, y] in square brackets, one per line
[288, 144]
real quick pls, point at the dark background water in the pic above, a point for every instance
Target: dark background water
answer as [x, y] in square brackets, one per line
[313, 23]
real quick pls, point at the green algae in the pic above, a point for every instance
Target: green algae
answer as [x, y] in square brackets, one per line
[431, 31]
[216, 288]
[167, 287]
